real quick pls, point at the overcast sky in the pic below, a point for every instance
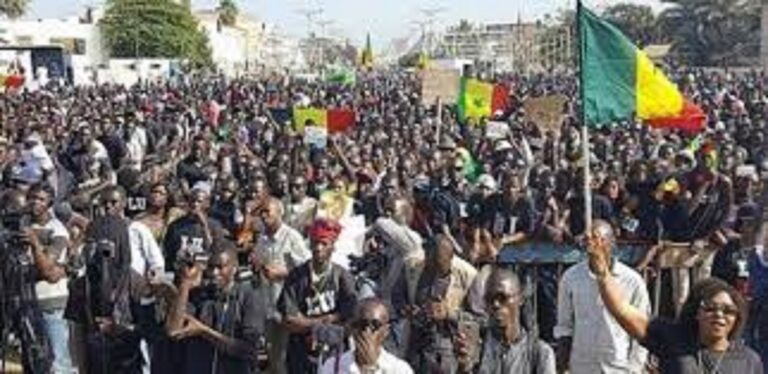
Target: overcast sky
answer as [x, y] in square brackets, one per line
[384, 19]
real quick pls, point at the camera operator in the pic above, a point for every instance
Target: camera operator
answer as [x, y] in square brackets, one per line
[24, 259]
[106, 300]
[219, 324]
[443, 282]
[316, 294]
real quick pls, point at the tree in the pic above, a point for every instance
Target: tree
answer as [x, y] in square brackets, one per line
[154, 29]
[712, 32]
[228, 12]
[13, 9]
[636, 21]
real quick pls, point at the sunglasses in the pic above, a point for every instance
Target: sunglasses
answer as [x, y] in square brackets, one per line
[712, 308]
[372, 325]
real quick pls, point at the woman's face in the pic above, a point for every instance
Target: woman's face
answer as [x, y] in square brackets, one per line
[717, 316]
[158, 197]
[613, 190]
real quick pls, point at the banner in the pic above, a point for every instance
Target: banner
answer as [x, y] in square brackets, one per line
[442, 83]
[546, 112]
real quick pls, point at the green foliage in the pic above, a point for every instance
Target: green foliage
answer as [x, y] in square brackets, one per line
[712, 32]
[154, 29]
[636, 22]
[228, 12]
[13, 8]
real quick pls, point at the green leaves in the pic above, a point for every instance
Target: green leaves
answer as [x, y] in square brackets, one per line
[154, 29]
[228, 12]
[13, 8]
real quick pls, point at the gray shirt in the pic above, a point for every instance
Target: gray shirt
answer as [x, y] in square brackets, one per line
[522, 357]
[599, 343]
[286, 248]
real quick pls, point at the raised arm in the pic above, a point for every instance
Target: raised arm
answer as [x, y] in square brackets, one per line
[633, 320]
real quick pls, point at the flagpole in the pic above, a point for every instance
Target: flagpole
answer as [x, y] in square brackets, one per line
[586, 154]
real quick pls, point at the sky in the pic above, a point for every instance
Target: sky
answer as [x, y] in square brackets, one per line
[384, 19]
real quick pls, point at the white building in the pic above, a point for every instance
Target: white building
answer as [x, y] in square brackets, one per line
[79, 37]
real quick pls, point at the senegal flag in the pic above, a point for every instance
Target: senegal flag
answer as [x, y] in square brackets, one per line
[478, 99]
[334, 120]
[620, 81]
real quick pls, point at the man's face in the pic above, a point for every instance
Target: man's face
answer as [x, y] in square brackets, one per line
[321, 252]
[298, 189]
[158, 197]
[114, 203]
[223, 270]
[371, 323]
[38, 202]
[502, 302]
[198, 202]
[271, 216]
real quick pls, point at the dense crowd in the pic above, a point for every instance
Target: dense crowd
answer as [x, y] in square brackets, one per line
[189, 226]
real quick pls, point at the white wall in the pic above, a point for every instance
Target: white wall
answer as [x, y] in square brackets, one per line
[40, 33]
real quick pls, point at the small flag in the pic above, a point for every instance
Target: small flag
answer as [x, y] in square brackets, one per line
[478, 99]
[423, 61]
[620, 81]
[342, 76]
[13, 80]
[367, 58]
[334, 120]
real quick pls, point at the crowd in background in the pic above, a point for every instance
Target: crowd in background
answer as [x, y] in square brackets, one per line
[190, 227]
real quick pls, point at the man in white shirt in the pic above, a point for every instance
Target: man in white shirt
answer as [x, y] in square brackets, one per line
[279, 250]
[370, 329]
[589, 338]
[52, 297]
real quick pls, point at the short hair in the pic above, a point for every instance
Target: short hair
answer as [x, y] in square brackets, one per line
[371, 302]
[41, 187]
[273, 201]
[113, 189]
[504, 274]
[605, 230]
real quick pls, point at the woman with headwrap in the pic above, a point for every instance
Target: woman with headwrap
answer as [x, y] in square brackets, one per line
[102, 300]
[316, 294]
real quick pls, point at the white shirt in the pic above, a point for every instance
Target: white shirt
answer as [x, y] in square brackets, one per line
[145, 253]
[386, 364]
[59, 290]
[600, 344]
[36, 161]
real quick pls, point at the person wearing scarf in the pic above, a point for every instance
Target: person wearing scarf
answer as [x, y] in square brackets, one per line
[316, 294]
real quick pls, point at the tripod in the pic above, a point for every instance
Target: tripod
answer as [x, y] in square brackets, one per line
[20, 314]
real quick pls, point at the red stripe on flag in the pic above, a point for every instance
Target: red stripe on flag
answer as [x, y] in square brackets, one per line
[14, 81]
[500, 100]
[692, 119]
[340, 120]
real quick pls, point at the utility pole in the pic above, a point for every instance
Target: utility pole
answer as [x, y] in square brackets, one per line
[430, 16]
[323, 41]
[764, 36]
[310, 13]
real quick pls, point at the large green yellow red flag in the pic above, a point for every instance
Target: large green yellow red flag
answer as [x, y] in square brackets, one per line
[620, 81]
[478, 99]
[334, 120]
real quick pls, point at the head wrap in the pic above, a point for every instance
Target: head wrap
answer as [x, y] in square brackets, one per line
[324, 230]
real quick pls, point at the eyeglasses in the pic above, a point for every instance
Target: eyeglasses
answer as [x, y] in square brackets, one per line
[372, 325]
[712, 308]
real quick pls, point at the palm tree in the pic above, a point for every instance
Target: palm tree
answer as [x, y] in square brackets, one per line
[228, 12]
[712, 32]
[13, 9]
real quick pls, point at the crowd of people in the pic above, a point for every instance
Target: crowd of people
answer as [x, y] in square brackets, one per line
[189, 226]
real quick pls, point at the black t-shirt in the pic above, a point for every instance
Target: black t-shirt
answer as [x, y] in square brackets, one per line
[509, 219]
[187, 234]
[237, 315]
[192, 172]
[679, 353]
[334, 294]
